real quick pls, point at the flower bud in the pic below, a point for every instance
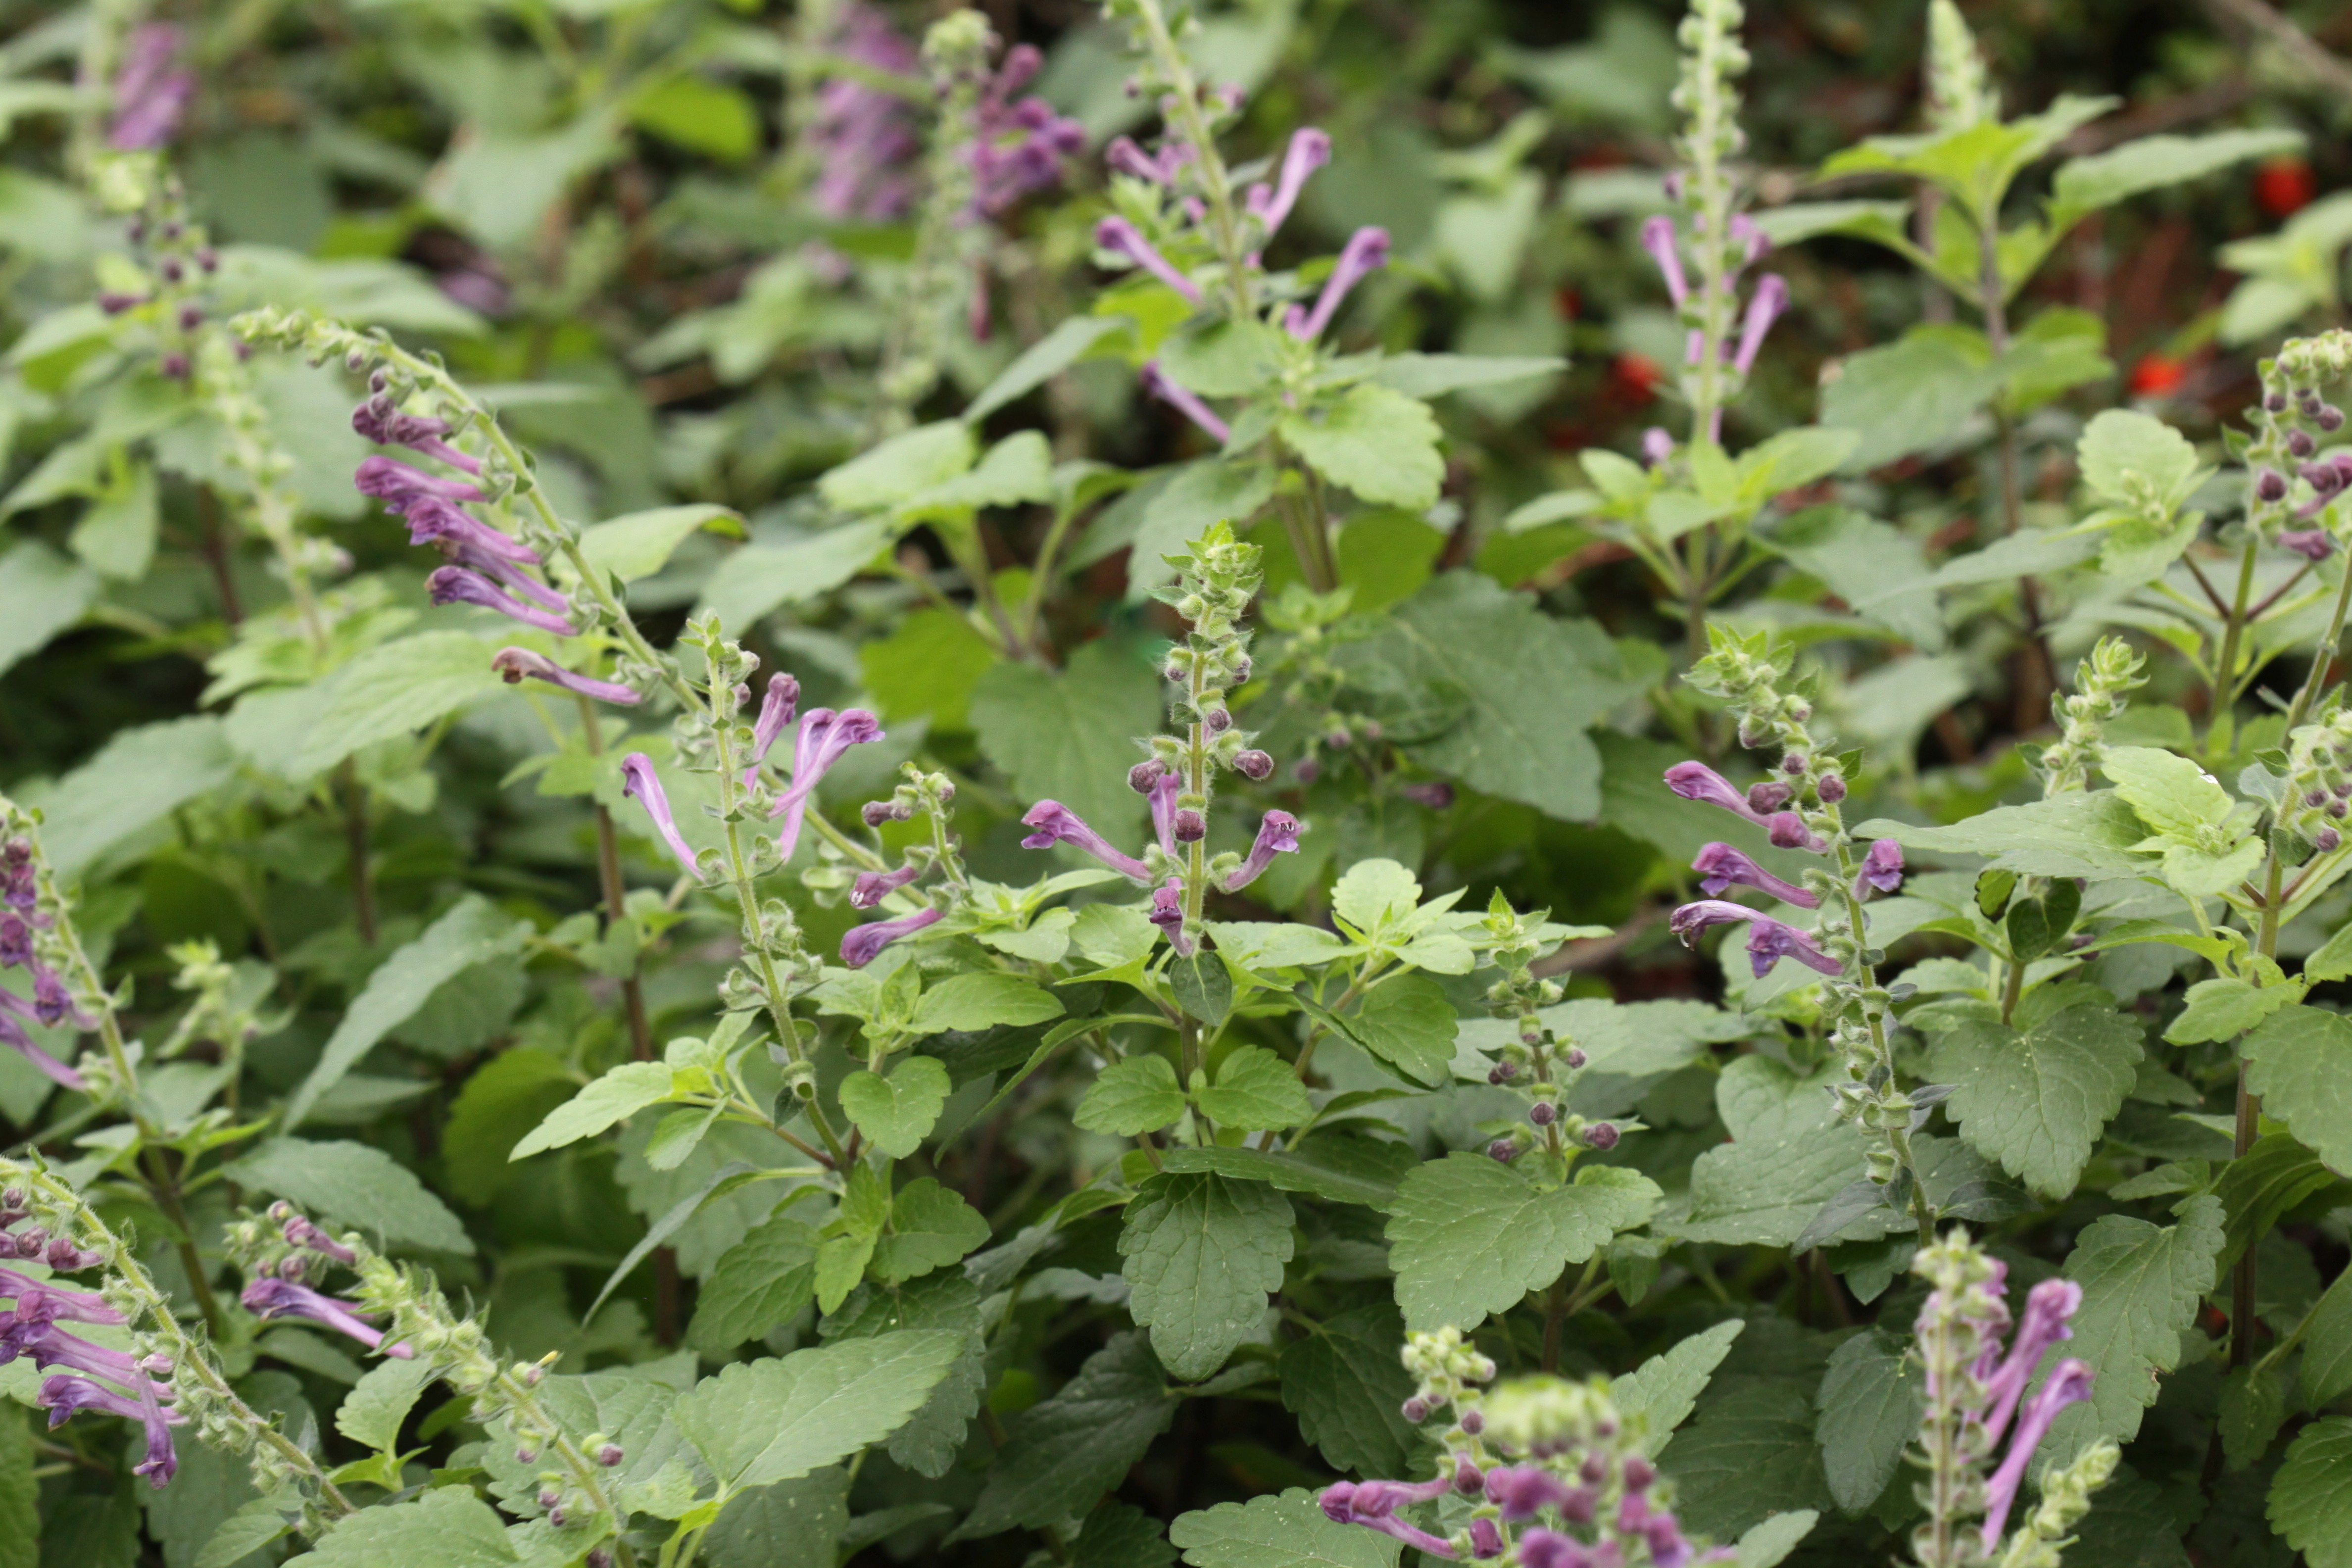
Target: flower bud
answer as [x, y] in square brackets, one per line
[1241, 669]
[2269, 485]
[1309, 770]
[1472, 1423]
[174, 366]
[556, 1517]
[1192, 826]
[1601, 1135]
[1767, 797]
[1639, 1473]
[526, 1455]
[1468, 1480]
[1145, 773]
[1501, 1072]
[1502, 1149]
[171, 269]
[1794, 762]
[1832, 789]
[1217, 721]
[2330, 418]
[2300, 444]
[2327, 840]
[876, 813]
[1543, 1113]
[549, 1498]
[2274, 403]
[610, 1455]
[1253, 764]
[1416, 1410]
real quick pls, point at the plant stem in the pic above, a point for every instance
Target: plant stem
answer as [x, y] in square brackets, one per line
[1216, 184]
[2323, 656]
[355, 840]
[2225, 666]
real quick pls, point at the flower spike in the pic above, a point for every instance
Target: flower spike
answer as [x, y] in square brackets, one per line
[269, 1297]
[1768, 940]
[1122, 237]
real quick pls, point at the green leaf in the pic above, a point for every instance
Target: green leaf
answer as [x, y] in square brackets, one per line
[895, 1113]
[770, 1420]
[1068, 736]
[2080, 834]
[1120, 1535]
[1137, 1094]
[1041, 361]
[2262, 1185]
[2252, 1409]
[2334, 958]
[1284, 1532]
[2037, 1101]
[1017, 469]
[932, 1436]
[115, 533]
[1408, 1022]
[1433, 375]
[1665, 1387]
[1230, 357]
[1344, 1381]
[137, 779]
[1750, 1453]
[2311, 1496]
[699, 114]
[357, 1185]
[1380, 443]
[1909, 396]
[617, 1096]
[395, 690]
[902, 467]
[371, 1414]
[1202, 986]
[239, 1536]
[2326, 1372]
[757, 579]
[931, 1227]
[41, 593]
[982, 1001]
[1767, 1545]
[2082, 185]
[2300, 1062]
[1469, 1235]
[1202, 1253]
[2140, 1285]
[641, 543]
[2137, 460]
[792, 1524]
[2221, 1009]
[1060, 1456]
[1299, 1171]
[472, 931]
[760, 1282]
[1463, 635]
[1255, 1091]
[20, 1494]
[1870, 1402]
[926, 668]
[449, 1527]
[1788, 1155]
[1866, 563]
[506, 1098]
[2173, 796]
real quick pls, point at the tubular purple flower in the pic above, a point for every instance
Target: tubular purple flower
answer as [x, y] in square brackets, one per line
[1659, 239]
[1278, 834]
[1374, 1504]
[1162, 795]
[1125, 157]
[267, 1297]
[300, 1232]
[1366, 252]
[1118, 235]
[1882, 868]
[1020, 145]
[1768, 940]
[872, 887]
[52, 1003]
[1657, 447]
[858, 948]
[12, 1035]
[461, 585]
[1168, 914]
[1183, 400]
[824, 735]
[1744, 229]
[378, 420]
[402, 485]
[1485, 1538]
[1696, 781]
[2311, 543]
[639, 780]
[864, 135]
[1772, 298]
[515, 663]
[1310, 149]
[2069, 1383]
[66, 1395]
[1550, 1549]
[1052, 823]
[1523, 1490]
[1720, 866]
[52, 1301]
[776, 709]
[457, 533]
[150, 93]
[2048, 1306]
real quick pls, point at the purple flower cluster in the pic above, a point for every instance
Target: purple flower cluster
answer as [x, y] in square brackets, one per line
[1996, 1384]
[1052, 823]
[866, 137]
[1022, 142]
[113, 1383]
[152, 91]
[279, 1293]
[1522, 1494]
[51, 1003]
[1661, 238]
[1720, 866]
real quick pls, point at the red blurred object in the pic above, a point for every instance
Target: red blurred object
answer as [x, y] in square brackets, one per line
[2285, 187]
[2157, 375]
[1636, 376]
[1566, 301]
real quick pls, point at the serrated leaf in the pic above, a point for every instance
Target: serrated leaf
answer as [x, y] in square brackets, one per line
[761, 1281]
[1061, 1455]
[1344, 1381]
[982, 1001]
[2141, 1284]
[1303, 1170]
[792, 1524]
[614, 1097]
[1284, 1532]
[2300, 1062]
[1255, 1091]
[896, 1112]
[355, 1184]
[449, 1527]
[931, 1227]
[1408, 1023]
[371, 1414]
[1377, 443]
[2221, 1009]
[1750, 1453]
[396, 689]
[1870, 1402]
[2036, 1101]
[1767, 1545]
[1665, 1387]
[2252, 1409]
[1788, 1155]
[1202, 1253]
[1469, 1235]
[2311, 1496]
[1136, 1094]
[771, 1419]
[1120, 1535]
[932, 1437]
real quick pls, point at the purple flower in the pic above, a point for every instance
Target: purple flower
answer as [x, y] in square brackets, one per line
[1523, 1490]
[1744, 229]
[1309, 150]
[776, 710]
[1168, 914]
[1366, 252]
[1485, 1538]
[2312, 543]
[864, 136]
[466, 538]
[639, 780]
[1052, 823]
[515, 663]
[1882, 868]
[52, 1301]
[1657, 447]
[300, 1232]
[1182, 399]
[462, 585]
[66, 1395]
[1720, 866]
[1659, 239]
[825, 736]
[1550, 1549]
[1374, 1504]
[2069, 1383]
[1772, 298]
[1019, 146]
[873, 886]
[380, 421]
[150, 93]
[1696, 781]
[1278, 834]
[12, 1035]
[477, 288]
[268, 1298]
[1768, 940]
[402, 485]
[2048, 1306]
[1122, 237]
[1161, 796]
[858, 948]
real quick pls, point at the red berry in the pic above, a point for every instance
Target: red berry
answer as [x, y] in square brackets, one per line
[2157, 375]
[2285, 187]
[1637, 376]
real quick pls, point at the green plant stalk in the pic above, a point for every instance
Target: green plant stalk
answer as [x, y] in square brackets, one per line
[1217, 189]
[2225, 666]
[1899, 1138]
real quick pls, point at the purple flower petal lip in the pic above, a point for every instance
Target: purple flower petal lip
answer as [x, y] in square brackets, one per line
[510, 577]
[448, 527]
[402, 485]
[459, 585]
[858, 948]
[2311, 543]
[2048, 1306]
[1122, 238]
[1696, 781]
[1366, 252]
[1162, 795]
[1721, 866]
[639, 780]
[1881, 869]
[150, 93]
[1278, 834]
[2069, 1383]
[776, 709]
[1168, 914]
[66, 1395]
[1052, 823]
[1658, 238]
[12, 1035]
[268, 1298]
[1155, 382]
[379, 421]
[1374, 1503]
[54, 1302]
[1309, 150]
[873, 886]
[1764, 307]
[515, 663]
[824, 735]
